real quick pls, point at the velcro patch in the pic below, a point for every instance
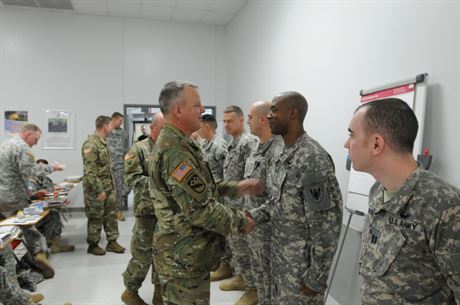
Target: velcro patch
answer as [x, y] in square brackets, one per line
[181, 171]
[129, 156]
[196, 183]
[87, 151]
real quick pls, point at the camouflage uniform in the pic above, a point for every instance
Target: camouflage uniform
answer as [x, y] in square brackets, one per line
[97, 179]
[136, 176]
[256, 167]
[117, 144]
[411, 244]
[17, 166]
[214, 152]
[305, 209]
[10, 291]
[238, 151]
[188, 240]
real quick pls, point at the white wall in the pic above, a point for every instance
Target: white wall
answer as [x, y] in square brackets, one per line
[329, 50]
[94, 64]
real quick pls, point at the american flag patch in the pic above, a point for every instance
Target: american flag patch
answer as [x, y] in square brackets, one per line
[181, 171]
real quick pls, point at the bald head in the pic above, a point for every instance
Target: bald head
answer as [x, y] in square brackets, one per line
[257, 118]
[156, 125]
[261, 108]
[293, 100]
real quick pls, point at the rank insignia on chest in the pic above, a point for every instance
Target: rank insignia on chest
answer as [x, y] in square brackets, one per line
[196, 183]
[316, 193]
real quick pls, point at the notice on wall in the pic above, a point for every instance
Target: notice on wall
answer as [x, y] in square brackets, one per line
[14, 120]
[59, 129]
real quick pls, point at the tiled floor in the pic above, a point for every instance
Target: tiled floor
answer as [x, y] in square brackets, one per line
[84, 279]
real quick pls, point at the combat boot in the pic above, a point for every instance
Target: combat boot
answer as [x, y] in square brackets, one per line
[130, 297]
[113, 246]
[36, 297]
[43, 264]
[157, 299]
[236, 283]
[95, 249]
[31, 302]
[250, 297]
[223, 272]
[58, 246]
[120, 216]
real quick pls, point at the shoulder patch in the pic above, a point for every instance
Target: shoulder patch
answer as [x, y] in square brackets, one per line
[87, 151]
[129, 156]
[196, 183]
[181, 171]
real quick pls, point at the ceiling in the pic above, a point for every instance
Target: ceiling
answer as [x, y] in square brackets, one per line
[217, 12]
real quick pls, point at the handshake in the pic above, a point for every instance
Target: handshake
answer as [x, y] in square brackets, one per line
[251, 187]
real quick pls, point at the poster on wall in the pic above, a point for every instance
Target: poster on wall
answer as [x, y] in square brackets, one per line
[58, 129]
[14, 120]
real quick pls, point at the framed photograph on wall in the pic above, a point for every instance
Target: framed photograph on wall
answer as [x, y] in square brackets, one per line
[58, 129]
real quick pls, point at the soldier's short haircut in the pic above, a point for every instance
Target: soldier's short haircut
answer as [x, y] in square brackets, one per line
[295, 100]
[43, 161]
[101, 121]
[210, 120]
[172, 93]
[31, 128]
[116, 115]
[235, 109]
[394, 119]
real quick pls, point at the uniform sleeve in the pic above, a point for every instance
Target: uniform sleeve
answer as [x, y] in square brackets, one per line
[323, 210]
[28, 168]
[195, 198]
[262, 213]
[90, 167]
[446, 245]
[134, 173]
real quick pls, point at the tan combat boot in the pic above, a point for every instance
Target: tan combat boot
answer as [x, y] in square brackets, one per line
[113, 246]
[250, 297]
[157, 299]
[36, 297]
[130, 297]
[120, 216]
[223, 272]
[58, 246]
[44, 265]
[95, 249]
[236, 283]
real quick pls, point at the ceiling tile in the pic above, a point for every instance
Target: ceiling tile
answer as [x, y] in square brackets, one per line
[56, 4]
[226, 5]
[24, 3]
[188, 15]
[194, 4]
[124, 8]
[219, 18]
[98, 7]
[167, 3]
[157, 12]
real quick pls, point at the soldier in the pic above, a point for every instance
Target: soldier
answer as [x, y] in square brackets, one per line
[238, 151]
[136, 176]
[17, 166]
[257, 164]
[215, 150]
[191, 222]
[305, 208]
[411, 240]
[51, 225]
[99, 190]
[117, 144]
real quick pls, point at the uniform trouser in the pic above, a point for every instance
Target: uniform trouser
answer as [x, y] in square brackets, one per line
[10, 292]
[35, 241]
[121, 190]
[177, 291]
[226, 253]
[51, 225]
[141, 252]
[259, 243]
[101, 214]
[241, 257]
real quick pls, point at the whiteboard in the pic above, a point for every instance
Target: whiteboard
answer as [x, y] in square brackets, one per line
[413, 92]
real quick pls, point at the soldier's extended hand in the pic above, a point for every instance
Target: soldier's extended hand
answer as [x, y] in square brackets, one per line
[307, 291]
[249, 225]
[57, 167]
[102, 197]
[251, 187]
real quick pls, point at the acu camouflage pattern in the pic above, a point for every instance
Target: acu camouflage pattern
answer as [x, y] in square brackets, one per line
[36, 184]
[17, 167]
[97, 179]
[214, 152]
[411, 244]
[117, 144]
[238, 151]
[136, 177]
[305, 209]
[257, 167]
[10, 291]
[188, 239]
